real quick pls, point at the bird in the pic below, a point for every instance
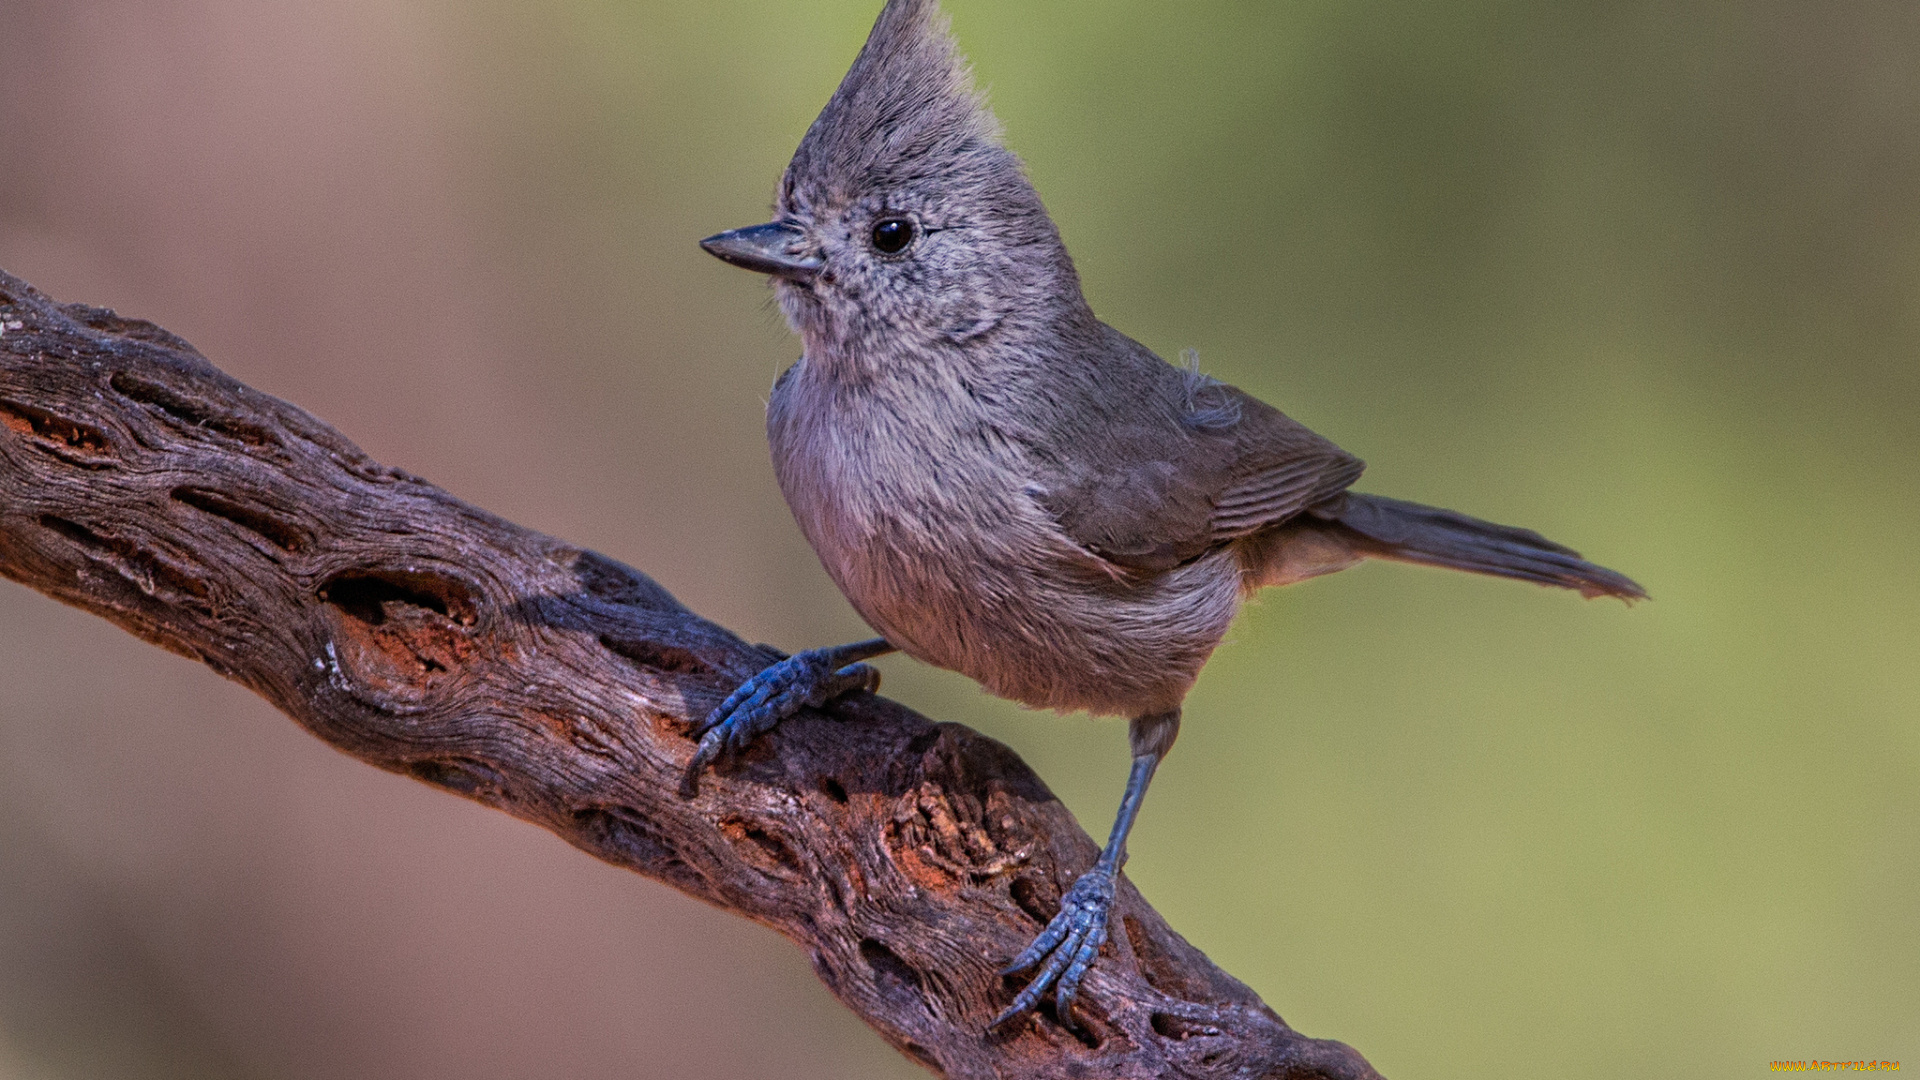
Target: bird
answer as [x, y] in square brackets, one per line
[1005, 486]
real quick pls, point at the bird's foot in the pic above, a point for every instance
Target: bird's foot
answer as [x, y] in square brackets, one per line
[811, 678]
[1067, 946]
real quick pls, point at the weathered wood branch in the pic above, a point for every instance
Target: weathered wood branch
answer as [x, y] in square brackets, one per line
[427, 637]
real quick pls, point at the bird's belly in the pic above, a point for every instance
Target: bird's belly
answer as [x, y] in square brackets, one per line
[928, 528]
[1034, 622]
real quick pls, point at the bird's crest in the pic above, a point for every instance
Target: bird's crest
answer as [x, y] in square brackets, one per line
[906, 108]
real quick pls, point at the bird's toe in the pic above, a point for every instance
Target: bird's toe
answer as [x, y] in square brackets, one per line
[776, 692]
[1066, 949]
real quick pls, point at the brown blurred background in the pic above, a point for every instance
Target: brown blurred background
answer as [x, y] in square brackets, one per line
[1643, 276]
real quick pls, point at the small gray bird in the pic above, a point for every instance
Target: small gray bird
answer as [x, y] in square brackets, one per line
[1006, 486]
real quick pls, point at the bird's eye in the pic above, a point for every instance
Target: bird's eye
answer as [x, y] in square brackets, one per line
[892, 235]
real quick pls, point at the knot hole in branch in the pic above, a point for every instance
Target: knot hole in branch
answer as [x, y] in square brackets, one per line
[462, 776]
[627, 837]
[69, 440]
[163, 577]
[255, 519]
[189, 410]
[893, 977]
[762, 847]
[1161, 969]
[400, 633]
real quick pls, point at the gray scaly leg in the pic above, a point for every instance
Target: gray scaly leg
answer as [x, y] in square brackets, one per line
[1066, 948]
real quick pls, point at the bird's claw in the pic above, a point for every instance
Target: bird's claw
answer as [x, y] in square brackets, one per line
[810, 678]
[1066, 948]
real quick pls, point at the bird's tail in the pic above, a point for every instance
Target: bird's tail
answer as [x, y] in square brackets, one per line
[1384, 528]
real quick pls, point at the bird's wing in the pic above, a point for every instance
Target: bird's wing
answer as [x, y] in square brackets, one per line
[1282, 469]
[1182, 465]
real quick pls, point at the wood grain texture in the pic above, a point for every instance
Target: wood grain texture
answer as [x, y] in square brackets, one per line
[428, 637]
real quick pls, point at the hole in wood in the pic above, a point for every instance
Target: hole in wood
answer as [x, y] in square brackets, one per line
[823, 970]
[373, 595]
[400, 631]
[1169, 1026]
[655, 657]
[891, 974]
[1161, 970]
[74, 531]
[281, 534]
[47, 427]
[583, 732]
[152, 574]
[187, 410]
[1037, 898]
[618, 583]
[833, 789]
[1082, 1030]
[622, 835]
[462, 775]
[109, 321]
[760, 847]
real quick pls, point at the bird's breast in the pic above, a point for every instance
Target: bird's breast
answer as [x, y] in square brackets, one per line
[894, 487]
[922, 510]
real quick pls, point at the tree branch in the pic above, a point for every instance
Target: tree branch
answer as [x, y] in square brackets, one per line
[427, 637]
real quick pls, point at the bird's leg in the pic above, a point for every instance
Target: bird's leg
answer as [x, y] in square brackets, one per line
[1067, 947]
[810, 678]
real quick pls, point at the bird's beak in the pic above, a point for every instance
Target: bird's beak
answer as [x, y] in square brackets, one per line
[769, 249]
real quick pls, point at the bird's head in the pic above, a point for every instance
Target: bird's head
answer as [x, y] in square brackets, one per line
[902, 224]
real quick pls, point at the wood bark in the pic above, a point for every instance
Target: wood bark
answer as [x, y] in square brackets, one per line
[427, 637]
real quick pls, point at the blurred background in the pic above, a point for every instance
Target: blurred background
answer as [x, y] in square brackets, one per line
[1643, 276]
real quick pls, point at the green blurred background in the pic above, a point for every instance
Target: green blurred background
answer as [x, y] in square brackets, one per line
[1643, 276]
